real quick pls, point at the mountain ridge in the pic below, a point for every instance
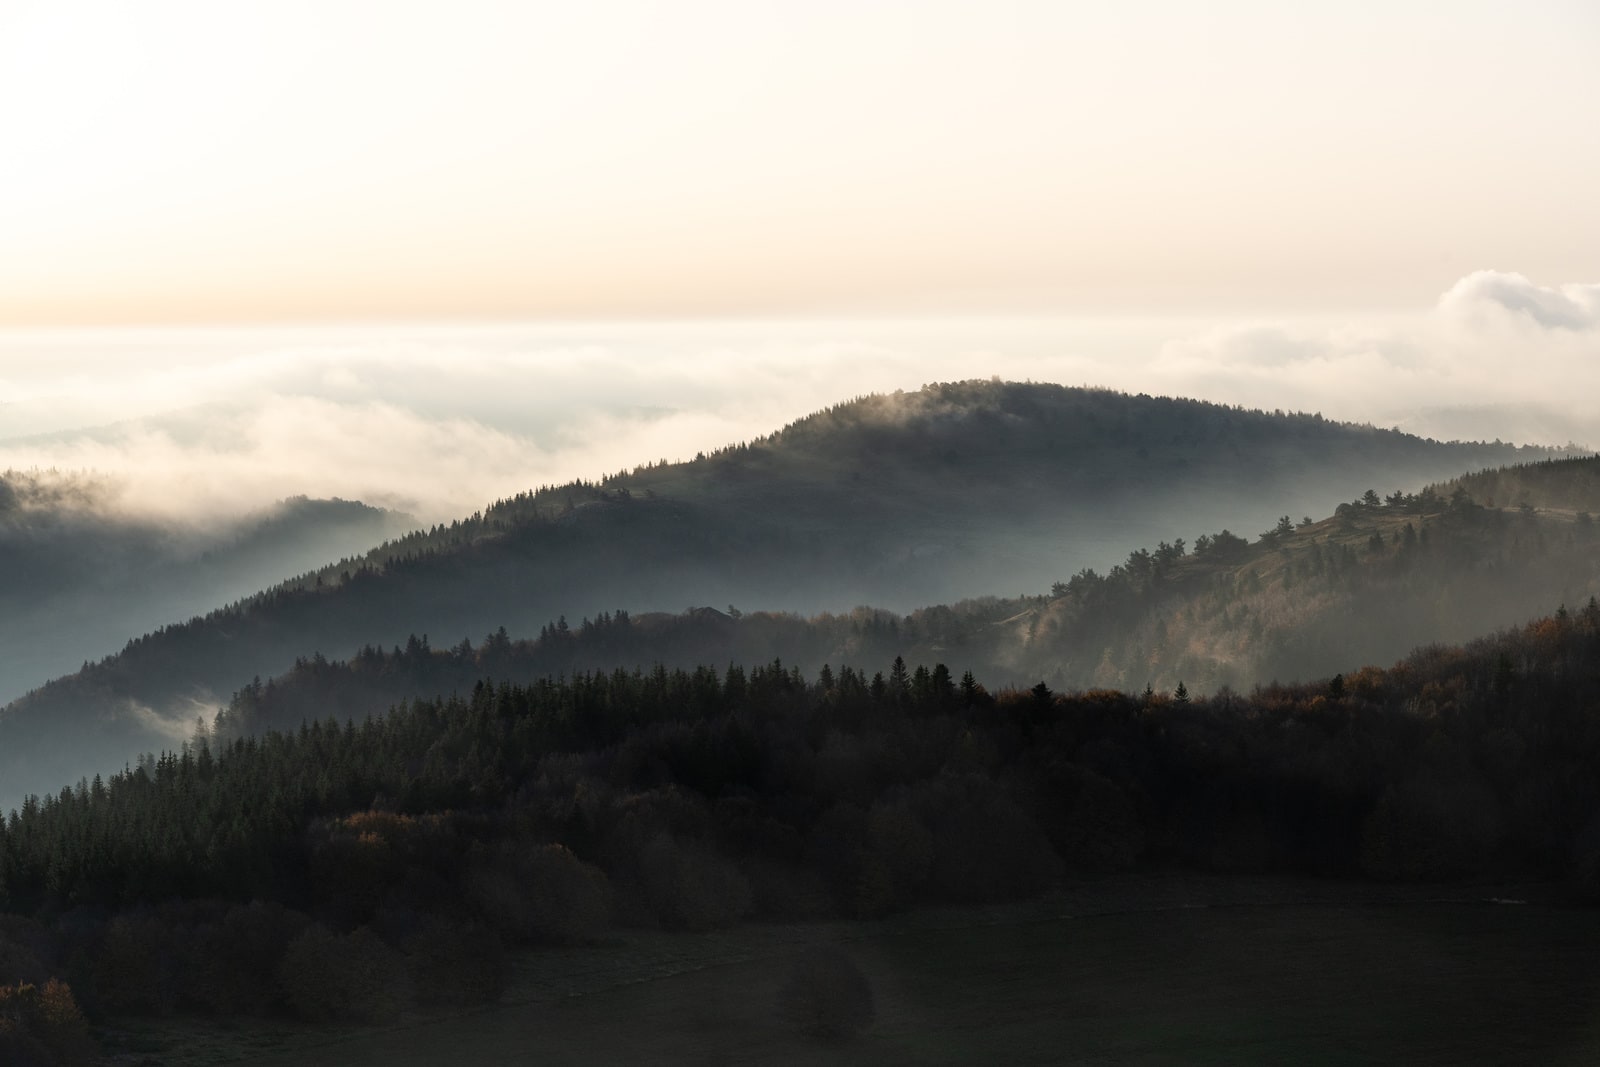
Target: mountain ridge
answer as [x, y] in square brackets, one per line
[956, 491]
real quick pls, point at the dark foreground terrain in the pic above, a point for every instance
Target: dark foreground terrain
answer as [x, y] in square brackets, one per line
[365, 878]
[1217, 971]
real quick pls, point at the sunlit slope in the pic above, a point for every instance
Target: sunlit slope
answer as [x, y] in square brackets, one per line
[927, 497]
[1366, 586]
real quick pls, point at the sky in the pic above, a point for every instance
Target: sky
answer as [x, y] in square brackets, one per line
[438, 420]
[326, 160]
[429, 254]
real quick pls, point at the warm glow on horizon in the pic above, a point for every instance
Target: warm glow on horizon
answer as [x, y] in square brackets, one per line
[173, 162]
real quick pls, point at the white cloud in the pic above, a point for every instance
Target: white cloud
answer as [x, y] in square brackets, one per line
[1493, 295]
[1497, 356]
[439, 421]
[175, 728]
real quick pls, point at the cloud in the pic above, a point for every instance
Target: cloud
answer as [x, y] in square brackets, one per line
[1257, 346]
[438, 421]
[435, 425]
[1497, 356]
[174, 727]
[1486, 294]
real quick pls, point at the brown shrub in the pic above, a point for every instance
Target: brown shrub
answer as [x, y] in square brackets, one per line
[898, 856]
[136, 967]
[540, 893]
[1437, 825]
[686, 886]
[359, 859]
[42, 1025]
[1102, 831]
[985, 847]
[326, 977]
[19, 964]
[233, 968]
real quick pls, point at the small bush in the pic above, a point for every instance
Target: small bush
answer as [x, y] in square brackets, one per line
[1433, 826]
[898, 859]
[329, 978]
[785, 891]
[689, 887]
[19, 964]
[986, 848]
[41, 1025]
[541, 894]
[136, 968]
[1102, 832]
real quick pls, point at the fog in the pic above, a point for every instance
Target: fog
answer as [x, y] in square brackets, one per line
[171, 445]
[438, 420]
[83, 570]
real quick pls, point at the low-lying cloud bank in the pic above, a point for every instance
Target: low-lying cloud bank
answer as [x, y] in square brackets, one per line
[1498, 356]
[439, 420]
[1514, 299]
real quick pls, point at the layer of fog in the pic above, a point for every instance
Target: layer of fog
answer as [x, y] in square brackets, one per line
[438, 421]
[80, 574]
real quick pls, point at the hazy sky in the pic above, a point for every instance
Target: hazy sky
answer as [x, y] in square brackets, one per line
[426, 254]
[440, 419]
[294, 159]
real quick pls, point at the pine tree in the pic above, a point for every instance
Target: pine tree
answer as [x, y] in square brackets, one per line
[969, 689]
[899, 679]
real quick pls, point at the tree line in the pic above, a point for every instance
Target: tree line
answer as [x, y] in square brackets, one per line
[353, 869]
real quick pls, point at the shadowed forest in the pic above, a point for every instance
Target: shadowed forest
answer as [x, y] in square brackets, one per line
[1300, 601]
[349, 871]
[482, 584]
[405, 831]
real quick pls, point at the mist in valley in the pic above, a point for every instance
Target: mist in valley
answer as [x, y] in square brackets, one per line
[187, 452]
[83, 569]
[830, 532]
[647, 456]
[898, 501]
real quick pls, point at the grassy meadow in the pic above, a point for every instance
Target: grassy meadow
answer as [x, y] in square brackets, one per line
[1195, 971]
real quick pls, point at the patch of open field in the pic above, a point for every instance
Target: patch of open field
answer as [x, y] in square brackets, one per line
[1334, 981]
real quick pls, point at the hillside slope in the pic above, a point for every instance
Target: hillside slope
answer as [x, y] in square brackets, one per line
[954, 491]
[400, 856]
[1367, 585]
[81, 568]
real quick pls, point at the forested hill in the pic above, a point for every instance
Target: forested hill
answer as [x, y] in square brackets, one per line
[1367, 585]
[83, 566]
[1569, 485]
[351, 872]
[953, 491]
[966, 489]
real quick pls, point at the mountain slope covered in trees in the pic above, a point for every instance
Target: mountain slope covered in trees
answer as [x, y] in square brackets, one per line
[954, 491]
[343, 872]
[1367, 585]
[82, 568]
